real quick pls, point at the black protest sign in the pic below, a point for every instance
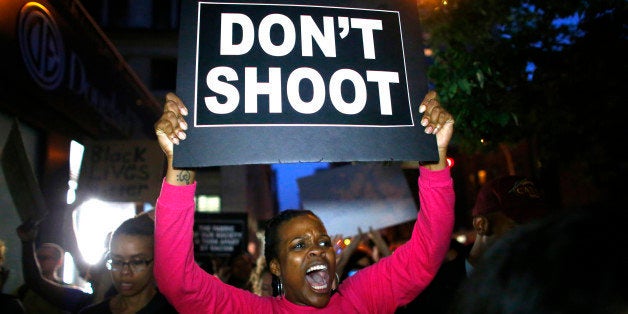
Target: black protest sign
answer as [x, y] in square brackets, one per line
[294, 82]
[122, 171]
[219, 235]
[21, 180]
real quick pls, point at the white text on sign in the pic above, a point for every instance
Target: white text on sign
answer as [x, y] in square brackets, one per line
[310, 33]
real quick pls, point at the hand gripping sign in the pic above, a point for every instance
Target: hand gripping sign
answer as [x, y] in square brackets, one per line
[293, 81]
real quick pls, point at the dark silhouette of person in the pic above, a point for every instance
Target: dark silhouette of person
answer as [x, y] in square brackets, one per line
[572, 262]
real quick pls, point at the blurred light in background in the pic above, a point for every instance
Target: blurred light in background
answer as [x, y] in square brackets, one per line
[461, 238]
[208, 203]
[450, 162]
[93, 221]
[71, 275]
[76, 158]
[481, 176]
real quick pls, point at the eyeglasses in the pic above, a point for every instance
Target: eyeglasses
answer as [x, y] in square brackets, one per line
[136, 266]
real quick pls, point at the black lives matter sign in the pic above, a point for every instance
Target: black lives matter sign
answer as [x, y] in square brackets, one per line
[122, 171]
[287, 81]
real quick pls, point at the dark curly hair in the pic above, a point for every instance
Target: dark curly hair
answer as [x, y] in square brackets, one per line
[140, 225]
[271, 250]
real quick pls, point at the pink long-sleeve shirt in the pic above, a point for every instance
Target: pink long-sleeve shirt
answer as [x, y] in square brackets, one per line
[380, 288]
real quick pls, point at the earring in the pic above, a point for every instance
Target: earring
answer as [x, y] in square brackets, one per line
[279, 287]
[334, 287]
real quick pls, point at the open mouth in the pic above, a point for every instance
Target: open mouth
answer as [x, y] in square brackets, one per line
[125, 286]
[318, 278]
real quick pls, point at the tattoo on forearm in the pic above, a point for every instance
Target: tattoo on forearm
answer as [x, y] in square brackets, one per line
[184, 176]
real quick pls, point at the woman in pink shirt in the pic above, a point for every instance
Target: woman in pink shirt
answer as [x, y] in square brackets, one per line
[299, 252]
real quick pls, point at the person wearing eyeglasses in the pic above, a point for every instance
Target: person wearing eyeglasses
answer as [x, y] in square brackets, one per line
[130, 264]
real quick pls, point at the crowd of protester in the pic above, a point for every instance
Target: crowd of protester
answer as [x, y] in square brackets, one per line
[523, 258]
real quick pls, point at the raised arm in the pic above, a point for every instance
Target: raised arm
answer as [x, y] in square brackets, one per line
[343, 258]
[380, 244]
[184, 283]
[421, 257]
[170, 130]
[65, 297]
[396, 280]
[174, 213]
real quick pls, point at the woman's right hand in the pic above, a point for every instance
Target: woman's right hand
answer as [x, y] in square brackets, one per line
[170, 128]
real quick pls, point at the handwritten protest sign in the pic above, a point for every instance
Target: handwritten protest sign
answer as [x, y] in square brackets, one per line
[290, 81]
[122, 171]
[362, 195]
